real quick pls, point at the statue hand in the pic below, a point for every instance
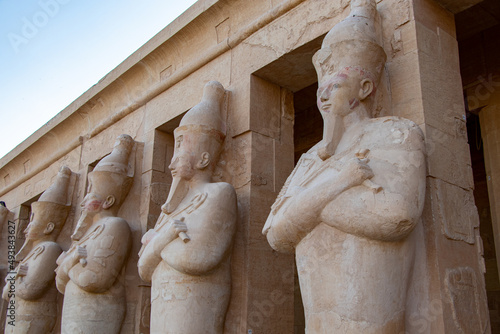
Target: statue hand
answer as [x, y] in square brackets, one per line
[81, 255]
[22, 270]
[356, 171]
[181, 229]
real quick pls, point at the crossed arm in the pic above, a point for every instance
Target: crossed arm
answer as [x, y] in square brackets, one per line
[94, 268]
[34, 280]
[344, 202]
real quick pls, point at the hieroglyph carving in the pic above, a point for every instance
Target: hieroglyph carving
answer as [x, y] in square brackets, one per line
[90, 273]
[34, 296]
[469, 313]
[187, 254]
[349, 207]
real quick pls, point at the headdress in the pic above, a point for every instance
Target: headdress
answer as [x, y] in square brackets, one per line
[119, 165]
[354, 42]
[205, 117]
[56, 200]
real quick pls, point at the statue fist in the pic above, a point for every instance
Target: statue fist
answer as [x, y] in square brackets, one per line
[356, 171]
[22, 270]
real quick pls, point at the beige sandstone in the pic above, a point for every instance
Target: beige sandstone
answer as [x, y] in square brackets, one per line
[34, 292]
[349, 207]
[187, 254]
[261, 52]
[90, 272]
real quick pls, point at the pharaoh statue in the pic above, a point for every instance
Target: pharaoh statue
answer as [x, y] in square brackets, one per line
[4, 227]
[91, 273]
[34, 294]
[187, 254]
[350, 205]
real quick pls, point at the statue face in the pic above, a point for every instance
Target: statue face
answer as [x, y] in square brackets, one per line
[93, 201]
[37, 225]
[182, 164]
[339, 94]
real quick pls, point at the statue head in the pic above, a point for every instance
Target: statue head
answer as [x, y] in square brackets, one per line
[351, 53]
[349, 66]
[108, 184]
[50, 212]
[198, 142]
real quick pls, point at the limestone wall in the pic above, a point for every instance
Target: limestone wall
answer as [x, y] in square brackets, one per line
[260, 51]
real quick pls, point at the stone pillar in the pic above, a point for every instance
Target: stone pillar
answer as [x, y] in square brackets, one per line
[450, 267]
[489, 118]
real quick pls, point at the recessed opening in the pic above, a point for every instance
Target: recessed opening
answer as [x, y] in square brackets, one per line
[295, 72]
[478, 29]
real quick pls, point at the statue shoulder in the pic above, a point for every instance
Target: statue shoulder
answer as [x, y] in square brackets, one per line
[115, 224]
[397, 130]
[51, 246]
[222, 189]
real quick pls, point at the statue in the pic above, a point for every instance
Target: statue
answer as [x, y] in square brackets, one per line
[33, 297]
[90, 273]
[349, 207]
[187, 255]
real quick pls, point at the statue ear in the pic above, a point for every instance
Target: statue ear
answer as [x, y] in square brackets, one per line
[366, 89]
[204, 161]
[49, 228]
[110, 200]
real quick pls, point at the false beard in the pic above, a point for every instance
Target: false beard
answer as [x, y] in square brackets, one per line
[178, 191]
[333, 131]
[85, 221]
[25, 249]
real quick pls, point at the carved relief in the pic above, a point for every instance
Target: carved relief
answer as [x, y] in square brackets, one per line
[34, 292]
[187, 254]
[458, 221]
[90, 272]
[463, 291]
[349, 207]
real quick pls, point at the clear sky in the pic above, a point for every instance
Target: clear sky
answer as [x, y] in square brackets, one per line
[52, 51]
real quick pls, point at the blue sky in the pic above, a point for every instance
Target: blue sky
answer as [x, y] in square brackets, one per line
[52, 51]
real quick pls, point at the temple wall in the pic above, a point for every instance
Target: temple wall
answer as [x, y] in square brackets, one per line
[260, 51]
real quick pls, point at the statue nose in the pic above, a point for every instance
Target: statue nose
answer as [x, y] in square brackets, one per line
[173, 163]
[324, 95]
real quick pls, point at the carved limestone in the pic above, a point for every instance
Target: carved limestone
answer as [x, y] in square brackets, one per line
[90, 273]
[34, 292]
[349, 207]
[187, 255]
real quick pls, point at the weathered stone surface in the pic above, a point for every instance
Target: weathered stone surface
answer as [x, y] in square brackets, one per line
[187, 255]
[89, 274]
[234, 42]
[350, 205]
[31, 288]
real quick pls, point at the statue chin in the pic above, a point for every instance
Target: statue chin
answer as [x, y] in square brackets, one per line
[83, 225]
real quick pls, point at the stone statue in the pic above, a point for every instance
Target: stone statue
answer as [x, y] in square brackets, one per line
[187, 255]
[90, 273]
[34, 293]
[8, 229]
[349, 207]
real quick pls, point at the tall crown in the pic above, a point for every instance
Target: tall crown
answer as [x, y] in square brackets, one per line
[206, 115]
[120, 160]
[61, 190]
[354, 42]
[55, 202]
